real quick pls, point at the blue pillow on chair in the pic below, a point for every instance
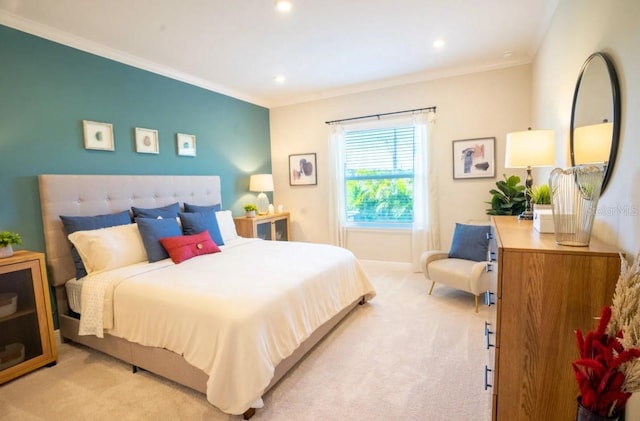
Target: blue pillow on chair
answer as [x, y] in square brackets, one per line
[152, 230]
[86, 223]
[470, 242]
[196, 222]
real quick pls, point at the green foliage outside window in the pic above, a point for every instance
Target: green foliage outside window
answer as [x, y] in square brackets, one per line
[372, 198]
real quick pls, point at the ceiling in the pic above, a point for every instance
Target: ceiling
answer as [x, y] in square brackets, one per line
[324, 48]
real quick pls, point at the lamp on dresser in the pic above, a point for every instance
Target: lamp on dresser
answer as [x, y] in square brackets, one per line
[261, 183]
[527, 149]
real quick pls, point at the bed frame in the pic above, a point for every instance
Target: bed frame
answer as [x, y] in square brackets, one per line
[86, 195]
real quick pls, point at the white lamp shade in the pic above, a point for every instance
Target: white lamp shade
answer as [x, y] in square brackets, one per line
[530, 148]
[592, 144]
[261, 183]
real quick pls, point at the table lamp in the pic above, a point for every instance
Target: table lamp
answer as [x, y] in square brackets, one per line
[592, 143]
[261, 183]
[527, 149]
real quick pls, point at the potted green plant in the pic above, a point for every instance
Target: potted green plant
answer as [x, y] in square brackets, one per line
[540, 196]
[508, 198]
[250, 210]
[7, 240]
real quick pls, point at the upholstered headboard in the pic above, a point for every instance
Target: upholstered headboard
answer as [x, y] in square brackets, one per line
[86, 195]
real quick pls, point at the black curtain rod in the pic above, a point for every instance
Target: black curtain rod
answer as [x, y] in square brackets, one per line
[380, 115]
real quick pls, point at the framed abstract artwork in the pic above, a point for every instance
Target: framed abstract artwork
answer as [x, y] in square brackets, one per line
[147, 141]
[98, 136]
[303, 170]
[474, 158]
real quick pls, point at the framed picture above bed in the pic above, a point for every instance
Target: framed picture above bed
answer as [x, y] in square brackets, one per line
[98, 136]
[474, 158]
[186, 144]
[302, 170]
[147, 141]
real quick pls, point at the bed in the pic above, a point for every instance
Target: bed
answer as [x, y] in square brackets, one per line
[229, 324]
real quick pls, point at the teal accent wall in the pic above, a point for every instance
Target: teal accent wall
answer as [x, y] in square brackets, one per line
[47, 89]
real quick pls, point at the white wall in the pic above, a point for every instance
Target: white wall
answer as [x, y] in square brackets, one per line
[486, 104]
[578, 29]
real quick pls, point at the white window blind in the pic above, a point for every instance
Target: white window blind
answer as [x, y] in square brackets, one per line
[378, 175]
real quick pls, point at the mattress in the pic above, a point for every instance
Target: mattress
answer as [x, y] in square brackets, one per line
[74, 293]
[232, 320]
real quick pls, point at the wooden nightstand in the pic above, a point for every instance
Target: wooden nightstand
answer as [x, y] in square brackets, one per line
[268, 227]
[26, 334]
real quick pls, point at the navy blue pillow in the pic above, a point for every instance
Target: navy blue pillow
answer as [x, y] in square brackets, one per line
[470, 242]
[196, 222]
[201, 208]
[169, 211]
[86, 223]
[152, 230]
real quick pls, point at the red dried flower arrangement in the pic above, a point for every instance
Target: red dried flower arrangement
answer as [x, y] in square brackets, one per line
[599, 371]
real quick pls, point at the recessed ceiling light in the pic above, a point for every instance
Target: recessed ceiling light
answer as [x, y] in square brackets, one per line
[283, 6]
[439, 43]
[279, 79]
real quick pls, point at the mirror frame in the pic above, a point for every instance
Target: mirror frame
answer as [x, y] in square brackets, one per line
[615, 98]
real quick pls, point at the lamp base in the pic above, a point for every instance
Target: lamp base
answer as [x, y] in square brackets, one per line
[263, 204]
[526, 216]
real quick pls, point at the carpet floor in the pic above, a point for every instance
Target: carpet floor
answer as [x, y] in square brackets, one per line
[403, 356]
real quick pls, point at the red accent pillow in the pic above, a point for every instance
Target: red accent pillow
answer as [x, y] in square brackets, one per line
[184, 247]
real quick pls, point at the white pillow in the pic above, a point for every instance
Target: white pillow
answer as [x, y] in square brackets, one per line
[226, 225]
[109, 248]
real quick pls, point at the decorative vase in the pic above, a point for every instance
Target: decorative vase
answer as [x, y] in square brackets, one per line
[574, 197]
[586, 415]
[6, 252]
[251, 214]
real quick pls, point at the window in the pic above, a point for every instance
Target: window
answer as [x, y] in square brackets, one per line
[378, 175]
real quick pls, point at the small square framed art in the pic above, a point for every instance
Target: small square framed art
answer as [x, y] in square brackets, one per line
[147, 141]
[98, 136]
[186, 144]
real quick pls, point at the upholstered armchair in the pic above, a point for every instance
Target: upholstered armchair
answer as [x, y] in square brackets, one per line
[466, 266]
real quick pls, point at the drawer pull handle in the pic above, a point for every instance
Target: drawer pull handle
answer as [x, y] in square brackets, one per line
[488, 298]
[492, 256]
[486, 377]
[487, 332]
[488, 267]
[489, 236]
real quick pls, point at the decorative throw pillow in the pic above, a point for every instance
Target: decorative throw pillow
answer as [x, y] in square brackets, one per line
[470, 242]
[196, 222]
[185, 247]
[84, 223]
[152, 230]
[201, 208]
[109, 248]
[169, 211]
[227, 226]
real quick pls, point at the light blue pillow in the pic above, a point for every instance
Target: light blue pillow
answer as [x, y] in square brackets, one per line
[152, 230]
[201, 208]
[86, 223]
[196, 222]
[470, 242]
[169, 211]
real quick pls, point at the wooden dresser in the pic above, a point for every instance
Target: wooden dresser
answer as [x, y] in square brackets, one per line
[544, 292]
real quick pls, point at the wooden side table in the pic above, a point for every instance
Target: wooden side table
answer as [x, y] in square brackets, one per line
[26, 326]
[268, 227]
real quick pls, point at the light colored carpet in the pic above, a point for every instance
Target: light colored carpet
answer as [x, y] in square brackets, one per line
[403, 356]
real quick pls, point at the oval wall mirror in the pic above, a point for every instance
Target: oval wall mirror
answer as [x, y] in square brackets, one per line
[595, 115]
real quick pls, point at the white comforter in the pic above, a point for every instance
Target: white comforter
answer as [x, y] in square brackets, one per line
[235, 314]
